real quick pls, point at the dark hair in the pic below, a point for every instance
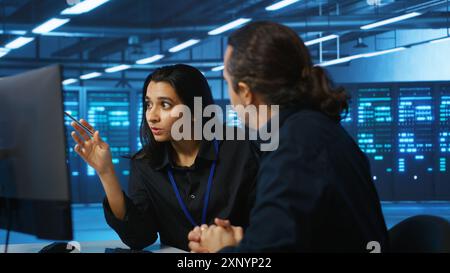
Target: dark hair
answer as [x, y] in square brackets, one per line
[188, 82]
[275, 63]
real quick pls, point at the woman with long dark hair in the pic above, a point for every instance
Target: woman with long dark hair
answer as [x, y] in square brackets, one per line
[174, 184]
[315, 191]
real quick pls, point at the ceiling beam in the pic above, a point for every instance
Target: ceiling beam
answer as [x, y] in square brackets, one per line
[302, 24]
[98, 65]
[77, 47]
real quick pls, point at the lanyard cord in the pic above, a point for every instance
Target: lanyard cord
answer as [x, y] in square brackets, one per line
[207, 193]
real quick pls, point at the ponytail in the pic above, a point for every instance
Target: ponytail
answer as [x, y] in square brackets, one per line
[316, 91]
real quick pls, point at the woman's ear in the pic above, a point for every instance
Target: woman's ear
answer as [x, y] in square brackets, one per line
[245, 94]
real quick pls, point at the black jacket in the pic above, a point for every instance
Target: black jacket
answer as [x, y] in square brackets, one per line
[152, 206]
[314, 193]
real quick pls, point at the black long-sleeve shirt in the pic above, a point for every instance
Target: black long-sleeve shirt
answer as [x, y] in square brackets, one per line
[314, 193]
[152, 206]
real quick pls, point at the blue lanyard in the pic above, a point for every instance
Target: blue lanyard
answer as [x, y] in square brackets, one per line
[208, 190]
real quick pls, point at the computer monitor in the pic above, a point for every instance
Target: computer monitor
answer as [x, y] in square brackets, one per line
[34, 182]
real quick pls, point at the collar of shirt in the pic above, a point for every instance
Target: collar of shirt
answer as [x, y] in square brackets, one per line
[207, 152]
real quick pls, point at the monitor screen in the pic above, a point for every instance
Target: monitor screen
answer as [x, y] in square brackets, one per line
[34, 185]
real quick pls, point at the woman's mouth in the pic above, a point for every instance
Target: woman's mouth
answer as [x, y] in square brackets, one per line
[156, 131]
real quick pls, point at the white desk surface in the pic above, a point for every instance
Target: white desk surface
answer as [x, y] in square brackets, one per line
[89, 247]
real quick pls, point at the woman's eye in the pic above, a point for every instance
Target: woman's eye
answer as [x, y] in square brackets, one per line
[166, 105]
[148, 105]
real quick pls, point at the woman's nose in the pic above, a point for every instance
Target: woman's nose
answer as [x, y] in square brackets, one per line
[152, 115]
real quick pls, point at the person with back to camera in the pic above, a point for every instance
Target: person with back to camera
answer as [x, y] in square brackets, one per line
[315, 191]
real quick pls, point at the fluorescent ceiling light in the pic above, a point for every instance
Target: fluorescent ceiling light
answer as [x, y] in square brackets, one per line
[363, 55]
[151, 59]
[50, 25]
[90, 75]
[341, 60]
[378, 53]
[217, 68]
[229, 26]
[83, 7]
[184, 45]
[440, 40]
[321, 39]
[3, 51]
[391, 20]
[13, 32]
[18, 32]
[69, 81]
[19, 42]
[280, 5]
[117, 68]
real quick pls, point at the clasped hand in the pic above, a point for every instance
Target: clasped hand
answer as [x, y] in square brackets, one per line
[209, 239]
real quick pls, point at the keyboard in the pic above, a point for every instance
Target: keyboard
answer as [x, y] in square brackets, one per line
[125, 250]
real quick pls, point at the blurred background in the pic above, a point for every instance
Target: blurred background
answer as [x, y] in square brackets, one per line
[392, 56]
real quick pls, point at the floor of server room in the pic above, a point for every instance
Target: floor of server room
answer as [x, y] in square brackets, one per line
[89, 222]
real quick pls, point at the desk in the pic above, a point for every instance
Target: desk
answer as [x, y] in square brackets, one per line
[89, 247]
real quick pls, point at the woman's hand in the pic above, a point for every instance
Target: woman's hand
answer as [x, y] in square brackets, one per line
[94, 150]
[215, 237]
[97, 154]
[194, 238]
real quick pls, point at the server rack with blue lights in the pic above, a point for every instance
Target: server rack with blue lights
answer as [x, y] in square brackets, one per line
[403, 128]
[442, 162]
[375, 134]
